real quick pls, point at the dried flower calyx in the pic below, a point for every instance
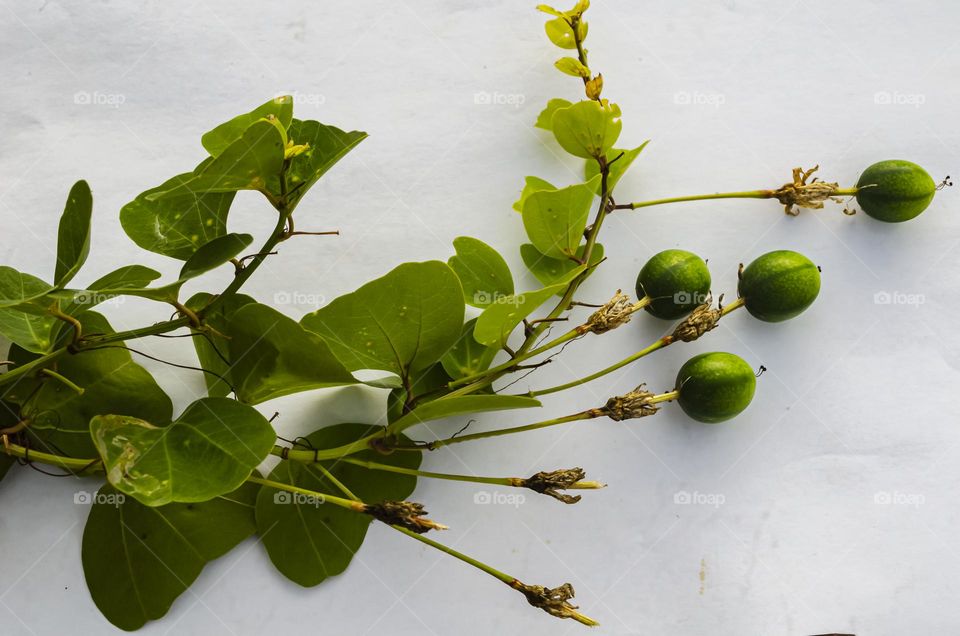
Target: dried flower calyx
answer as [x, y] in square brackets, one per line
[406, 514]
[615, 312]
[801, 194]
[550, 483]
[632, 405]
[554, 601]
[700, 321]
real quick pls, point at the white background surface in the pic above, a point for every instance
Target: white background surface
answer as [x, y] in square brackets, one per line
[857, 402]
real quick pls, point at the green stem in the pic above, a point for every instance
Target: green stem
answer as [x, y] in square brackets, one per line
[583, 415]
[74, 465]
[746, 194]
[349, 504]
[65, 381]
[659, 344]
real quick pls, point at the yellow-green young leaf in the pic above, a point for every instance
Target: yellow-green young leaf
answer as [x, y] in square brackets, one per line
[176, 226]
[572, 66]
[555, 219]
[545, 118]
[73, 237]
[483, 273]
[498, 321]
[531, 185]
[588, 128]
[551, 270]
[560, 33]
[550, 10]
[308, 540]
[617, 168]
[402, 322]
[208, 451]
[468, 356]
[252, 162]
[137, 559]
[220, 138]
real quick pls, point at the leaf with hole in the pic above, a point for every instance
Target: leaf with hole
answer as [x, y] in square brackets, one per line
[555, 219]
[309, 541]
[138, 559]
[402, 322]
[208, 451]
[483, 273]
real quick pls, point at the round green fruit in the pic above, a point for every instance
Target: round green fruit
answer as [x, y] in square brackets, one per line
[676, 281]
[714, 387]
[779, 285]
[895, 191]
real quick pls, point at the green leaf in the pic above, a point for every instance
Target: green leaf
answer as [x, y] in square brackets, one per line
[531, 185]
[572, 66]
[272, 355]
[9, 416]
[617, 168]
[111, 381]
[550, 271]
[588, 128]
[309, 541]
[126, 277]
[138, 559]
[545, 118]
[468, 357]
[252, 162]
[219, 139]
[402, 322]
[31, 331]
[483, 273]
[73, 239]
[328, 145]
[17, 288]
[176, 226]
[560, 33]
[214, 254]
[208, 451]
[498, 321]
[212, 353]
[555, 219]
[448, 407]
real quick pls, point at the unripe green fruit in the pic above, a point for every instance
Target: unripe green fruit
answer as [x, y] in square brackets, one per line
[714, 387]
[895, 191]
[676, 281]
[779, 285]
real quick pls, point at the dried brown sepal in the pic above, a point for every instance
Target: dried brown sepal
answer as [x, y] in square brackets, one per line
[801, 194]
[406, 514]
[554, 601]
[700, 321]
[615, 312]
[594, 87]
[630, 406]
[550, 483]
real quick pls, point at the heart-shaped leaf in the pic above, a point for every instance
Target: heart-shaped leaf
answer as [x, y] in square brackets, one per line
[138, 559]
[219, 139]
[309, 541]
[588, 128]
[401, 322]
[176, 226]
[208, 451]
[73, 239]
[498, 321]
[111, 381]
[252, 162]
[483, 273]
[555, 219]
